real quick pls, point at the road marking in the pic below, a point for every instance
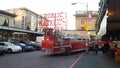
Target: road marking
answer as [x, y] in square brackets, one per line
[76, 60]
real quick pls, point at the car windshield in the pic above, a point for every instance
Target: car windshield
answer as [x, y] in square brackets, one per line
[22, 44]
[25, 41]
[8, 43]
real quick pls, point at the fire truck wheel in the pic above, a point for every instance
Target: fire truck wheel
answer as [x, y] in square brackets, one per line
[67, 51]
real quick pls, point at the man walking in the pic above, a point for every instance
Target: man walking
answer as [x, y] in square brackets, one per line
[96, 49]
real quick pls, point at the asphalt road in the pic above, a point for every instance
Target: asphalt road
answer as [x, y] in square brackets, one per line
[37, 59]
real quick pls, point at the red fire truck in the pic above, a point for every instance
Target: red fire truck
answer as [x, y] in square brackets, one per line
[54, 42]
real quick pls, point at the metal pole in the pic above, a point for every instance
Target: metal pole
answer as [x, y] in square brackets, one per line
[87, 13]
[86, 17]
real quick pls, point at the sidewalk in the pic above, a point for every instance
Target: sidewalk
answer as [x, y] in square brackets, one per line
[91, 60]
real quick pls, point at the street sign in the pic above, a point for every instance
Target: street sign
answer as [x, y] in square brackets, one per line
[87, 27]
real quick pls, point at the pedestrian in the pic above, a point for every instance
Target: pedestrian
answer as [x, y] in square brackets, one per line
[115, 45]
[93, 46]
[106, 48]
[90, 44]
[95, 49]
[87, 48]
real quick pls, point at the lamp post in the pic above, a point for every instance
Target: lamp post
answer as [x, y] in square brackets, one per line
[85, 4]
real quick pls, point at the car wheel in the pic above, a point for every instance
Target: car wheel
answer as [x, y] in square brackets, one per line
[23, 50]
[67, 52]
[9, 51]
[2, 53]
[34, 48]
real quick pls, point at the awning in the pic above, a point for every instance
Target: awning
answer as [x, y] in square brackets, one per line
[102, 30]
[20, 30]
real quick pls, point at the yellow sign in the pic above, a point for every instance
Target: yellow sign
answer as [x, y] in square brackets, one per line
[87, 27]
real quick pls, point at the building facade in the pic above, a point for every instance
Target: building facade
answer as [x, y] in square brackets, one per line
[29, 21]
[86, 21]
[26, 19]
[6, 20]
[82, 20]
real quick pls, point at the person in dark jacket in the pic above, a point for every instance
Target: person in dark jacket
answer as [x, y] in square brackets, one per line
[106, 48]
[96, 48]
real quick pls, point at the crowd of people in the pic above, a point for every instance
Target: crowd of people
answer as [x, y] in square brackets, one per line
[94, 47]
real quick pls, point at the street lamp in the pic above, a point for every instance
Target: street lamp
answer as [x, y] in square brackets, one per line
[85, 4]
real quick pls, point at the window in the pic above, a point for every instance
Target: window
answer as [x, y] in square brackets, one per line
[1, 44]
[47, 32]
[83, 21]
[54, 33]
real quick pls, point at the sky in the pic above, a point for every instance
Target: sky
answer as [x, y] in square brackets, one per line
[51, 6]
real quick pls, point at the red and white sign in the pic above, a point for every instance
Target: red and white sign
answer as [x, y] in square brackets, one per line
[55, 20]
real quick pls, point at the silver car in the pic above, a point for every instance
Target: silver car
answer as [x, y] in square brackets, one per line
[10, 47]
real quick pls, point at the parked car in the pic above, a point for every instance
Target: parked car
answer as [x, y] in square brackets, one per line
[10, 47]
[24, 47]
[2, 50]
[33, 44]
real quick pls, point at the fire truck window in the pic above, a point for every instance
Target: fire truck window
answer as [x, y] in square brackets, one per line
[48, 33]
[54, 33]
[57, 33]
